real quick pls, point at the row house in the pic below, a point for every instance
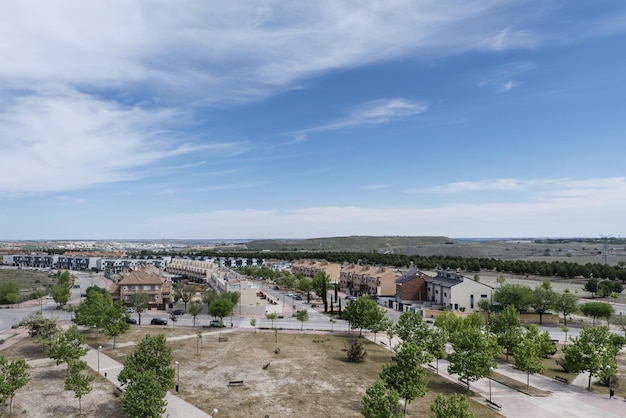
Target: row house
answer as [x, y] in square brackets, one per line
[411, 287]
[116, 266]
[29, 260]
[147, 279]
[369, 280]
[236, 262]
[198, 271]
[309, 268]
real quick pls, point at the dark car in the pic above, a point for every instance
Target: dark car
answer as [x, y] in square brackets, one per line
[130, 320]
[177, 312]
[158, 321]
[297, 297]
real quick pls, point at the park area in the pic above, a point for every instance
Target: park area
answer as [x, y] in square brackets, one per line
[309, 376]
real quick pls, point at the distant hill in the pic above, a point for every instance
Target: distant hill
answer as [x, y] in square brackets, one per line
[391, 244]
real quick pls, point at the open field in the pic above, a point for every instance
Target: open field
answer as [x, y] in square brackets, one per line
[309, 377]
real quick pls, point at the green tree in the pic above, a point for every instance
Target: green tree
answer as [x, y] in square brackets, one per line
[382, 324]
[320, 284]
[542, 300]
[449, 322]
[13, 376]
[194, 310]
[139, 302]
[92, 311]
[411, 328]
[513, 294]
[9, 293]
[115, 323]
[566, 303]
[528, 353]
[271, 316]
[436, 344]
[220, 308]
[147, 376]
[77, 382]
[361, 313]
[473, 355]
[597, 310]
[592, 351]
[208, 296]
[591, 286]
[305, 285]
[62, 290]
[253, 324]
[508, 329]
[380, 401]
[302, 316]
[453, 406]
[67, 346]
[405, 374]
[184, 292]
[356, 352]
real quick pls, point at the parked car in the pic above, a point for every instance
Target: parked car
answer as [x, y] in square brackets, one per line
[130, 310]
[177, 312]
[130, 320]
[216, 323]
[297, 297]
[158, 321]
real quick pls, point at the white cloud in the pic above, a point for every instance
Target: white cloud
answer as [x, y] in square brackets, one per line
[70, 140]
[558, 212]
[375, 112]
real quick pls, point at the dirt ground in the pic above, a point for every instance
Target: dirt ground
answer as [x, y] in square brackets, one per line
[44, 396]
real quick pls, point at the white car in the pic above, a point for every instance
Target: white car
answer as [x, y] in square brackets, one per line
[130, 310]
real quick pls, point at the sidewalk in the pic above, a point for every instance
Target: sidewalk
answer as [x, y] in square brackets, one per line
[565, 401]
[176, 407]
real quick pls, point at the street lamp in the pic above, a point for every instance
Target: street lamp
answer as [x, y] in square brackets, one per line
[490, 371]
[610, 382]
[177, 375]
[99, 348]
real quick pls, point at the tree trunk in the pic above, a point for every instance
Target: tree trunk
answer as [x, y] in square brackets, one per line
[405, 406]
[540, 318]
[527, 379]
[589, 384]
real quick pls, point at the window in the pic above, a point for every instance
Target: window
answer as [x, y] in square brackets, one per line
[483, 296]
[124, 287]
[471, 301]
[436, 292]
[445, 295]
[147, 287]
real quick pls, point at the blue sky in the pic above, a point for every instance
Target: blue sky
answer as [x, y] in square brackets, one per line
[269, 119]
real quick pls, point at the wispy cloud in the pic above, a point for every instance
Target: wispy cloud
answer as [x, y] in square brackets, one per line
[375, 112]
[506, 77]
[374, 186]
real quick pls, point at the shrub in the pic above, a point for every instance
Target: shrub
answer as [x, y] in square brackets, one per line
[356, 351]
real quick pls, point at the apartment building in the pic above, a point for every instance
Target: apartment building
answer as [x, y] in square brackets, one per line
[455, 291]
[309, 268]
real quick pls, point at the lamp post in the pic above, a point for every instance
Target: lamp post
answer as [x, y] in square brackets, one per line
[177, 375]
[490, 371]
[99, 348]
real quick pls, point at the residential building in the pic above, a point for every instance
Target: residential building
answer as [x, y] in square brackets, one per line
[309, 268]
[411, 288]
[454, 291]
[146, 279]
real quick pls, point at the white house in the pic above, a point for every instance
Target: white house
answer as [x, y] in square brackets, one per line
[456, 292]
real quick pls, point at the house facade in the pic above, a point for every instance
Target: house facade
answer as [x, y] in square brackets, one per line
[309, 268]
[456, 292]
[411, 287]
[147, 279]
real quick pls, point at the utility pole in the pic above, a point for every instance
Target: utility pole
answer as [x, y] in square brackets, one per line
[605, 237]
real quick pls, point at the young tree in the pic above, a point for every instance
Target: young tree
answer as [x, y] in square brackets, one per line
[320, 285]
[411, 328]
[194, 310]
[147, 376]
[220, 308]
[356, 352]
[406, 375]
[302, 316]
[380, 402]
[591, 286]
[67, 346]
[473, 354]
[597, 310]
[592, 351]
[139, 302]
[77, 382]
[542, 300]
[529, 354]
[436, 344]
[361, 313]
[93, 310]
[253, 324]
[449, 322]
[185, 292]
[208, 296]
[271, 316]
[566, 303]
[305, 285]
[453, 406]
[508, 329]
[13, 376]
[382, 324]
[115, 323]
[513, 294]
